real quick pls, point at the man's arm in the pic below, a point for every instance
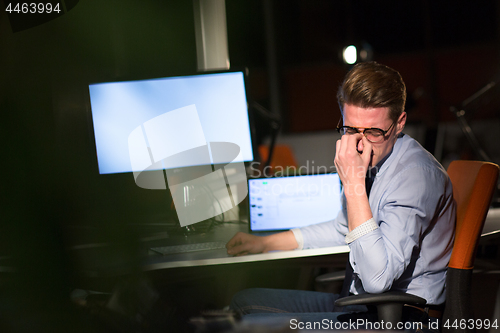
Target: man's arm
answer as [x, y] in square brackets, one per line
[406, 213]
[352, 167]
[243, 243]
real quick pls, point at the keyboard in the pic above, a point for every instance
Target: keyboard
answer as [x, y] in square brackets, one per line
[185, 248]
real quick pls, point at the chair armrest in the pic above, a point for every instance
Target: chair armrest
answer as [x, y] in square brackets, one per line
[331, 277]
[389, 304]
[376, 299]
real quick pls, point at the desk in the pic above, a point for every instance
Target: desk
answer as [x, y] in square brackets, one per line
[102, 264]
[492, 225]
[220, 257]
[488, 252]
[216, 276]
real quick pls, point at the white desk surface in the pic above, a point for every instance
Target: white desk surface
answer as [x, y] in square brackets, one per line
[492, 224]
[220, 257]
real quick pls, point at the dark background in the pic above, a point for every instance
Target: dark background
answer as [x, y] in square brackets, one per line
[445, 51]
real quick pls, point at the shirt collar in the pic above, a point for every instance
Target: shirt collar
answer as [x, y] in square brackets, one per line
[381, 166]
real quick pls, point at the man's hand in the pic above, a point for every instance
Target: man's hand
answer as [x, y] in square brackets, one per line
[243, 243]
[352, 158]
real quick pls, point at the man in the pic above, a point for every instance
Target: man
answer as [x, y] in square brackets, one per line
[398, 211]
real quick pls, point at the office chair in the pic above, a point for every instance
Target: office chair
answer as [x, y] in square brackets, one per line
[282, 157]
[474, 183]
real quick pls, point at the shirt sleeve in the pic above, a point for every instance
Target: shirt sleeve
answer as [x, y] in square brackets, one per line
[405, 211]
[299, 238]
[330, 233]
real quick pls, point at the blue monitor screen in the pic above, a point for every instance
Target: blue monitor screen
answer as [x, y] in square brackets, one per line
[172, 115]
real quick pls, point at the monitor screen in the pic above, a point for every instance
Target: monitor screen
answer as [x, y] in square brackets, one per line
[170, 115]
[282, 203]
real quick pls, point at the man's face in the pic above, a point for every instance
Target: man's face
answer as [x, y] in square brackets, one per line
[374, 118]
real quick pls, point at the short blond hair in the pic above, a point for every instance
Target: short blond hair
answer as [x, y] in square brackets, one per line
[370, 84]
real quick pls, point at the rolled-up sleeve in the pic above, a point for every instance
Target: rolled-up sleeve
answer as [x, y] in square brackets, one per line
[361, 230]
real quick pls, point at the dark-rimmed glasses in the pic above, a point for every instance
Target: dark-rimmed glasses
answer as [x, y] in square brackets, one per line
[372, 134]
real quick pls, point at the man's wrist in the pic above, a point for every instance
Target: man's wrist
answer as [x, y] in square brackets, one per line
[353, 190]
[358, 209]
[267, 244]
[280, 241]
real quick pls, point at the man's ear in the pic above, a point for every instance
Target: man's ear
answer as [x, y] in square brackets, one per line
[400, 125]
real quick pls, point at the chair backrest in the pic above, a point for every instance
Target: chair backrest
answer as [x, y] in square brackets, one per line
[283, 156]
[474, 184]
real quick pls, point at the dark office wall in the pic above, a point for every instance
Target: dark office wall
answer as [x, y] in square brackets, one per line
[445, 51]
[48, 164]
[45, 72]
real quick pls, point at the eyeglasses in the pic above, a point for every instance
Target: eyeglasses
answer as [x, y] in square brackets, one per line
[372, 134]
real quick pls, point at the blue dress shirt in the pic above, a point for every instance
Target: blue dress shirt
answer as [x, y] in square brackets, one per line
[407, 245]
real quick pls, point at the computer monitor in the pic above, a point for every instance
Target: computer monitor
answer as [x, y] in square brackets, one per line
[283, 203]
[216, 103]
